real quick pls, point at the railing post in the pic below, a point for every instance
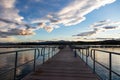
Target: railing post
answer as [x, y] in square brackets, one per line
[110, 66]
[82, 53]
[15, 67]
[38, 53]
[79, 50]
[75, 53]
[52, 51]
[88, 51]
[86, 56]
[48, 52]
[91, 53]
[34, 65]
[41, 51]
[43, 55]
[93, 61]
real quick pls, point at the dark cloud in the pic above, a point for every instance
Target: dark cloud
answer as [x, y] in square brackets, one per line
[8, 21]
[22, 29]
[89, 33]
[105, 38]
[101, 26]
[14, 32]
[16, 23]
[110, 27]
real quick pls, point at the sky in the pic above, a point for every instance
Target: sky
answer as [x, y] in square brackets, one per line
[54, 20]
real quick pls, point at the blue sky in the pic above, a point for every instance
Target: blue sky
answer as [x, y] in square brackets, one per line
[51, 20]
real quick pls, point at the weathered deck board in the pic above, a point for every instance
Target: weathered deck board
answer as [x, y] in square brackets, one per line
[63, 66]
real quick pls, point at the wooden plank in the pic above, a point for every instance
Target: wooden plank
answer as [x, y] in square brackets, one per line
[63, 66]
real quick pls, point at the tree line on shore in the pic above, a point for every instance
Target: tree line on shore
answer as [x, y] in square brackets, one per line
[107, 42]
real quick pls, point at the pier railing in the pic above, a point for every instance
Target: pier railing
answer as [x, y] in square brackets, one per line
[86, 53]
[93, 54]
[37, 52]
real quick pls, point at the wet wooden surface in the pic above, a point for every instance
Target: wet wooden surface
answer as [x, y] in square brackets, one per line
[63, 66]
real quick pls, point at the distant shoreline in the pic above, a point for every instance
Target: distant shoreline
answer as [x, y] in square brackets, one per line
[95, 44]
[39, 46]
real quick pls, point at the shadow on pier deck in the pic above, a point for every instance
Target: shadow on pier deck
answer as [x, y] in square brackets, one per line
[63, 66]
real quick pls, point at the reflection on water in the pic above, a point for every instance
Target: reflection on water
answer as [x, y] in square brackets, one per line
[103, 58]
[5, 59]
[7, 62]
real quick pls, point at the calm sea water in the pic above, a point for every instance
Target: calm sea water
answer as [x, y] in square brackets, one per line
[103, 58]
[7, 62]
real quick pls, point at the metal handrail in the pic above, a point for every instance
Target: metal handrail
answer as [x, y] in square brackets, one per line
[16, 51]
[40, 53]
[110, 62]
[92, 55]
[107, 68]
[106, 51]
[16, 60]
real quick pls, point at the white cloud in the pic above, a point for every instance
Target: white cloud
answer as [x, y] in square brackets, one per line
[9, 19]
[74, 12]
[8, 10]
[48, 28]
[11, 23]
[7, 3]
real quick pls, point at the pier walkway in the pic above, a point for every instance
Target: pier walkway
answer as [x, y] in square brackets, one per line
[63, 66]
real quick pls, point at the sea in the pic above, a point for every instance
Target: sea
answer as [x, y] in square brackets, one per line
[7, 63]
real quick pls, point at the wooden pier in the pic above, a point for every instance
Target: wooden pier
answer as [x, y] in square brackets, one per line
[63, 66]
